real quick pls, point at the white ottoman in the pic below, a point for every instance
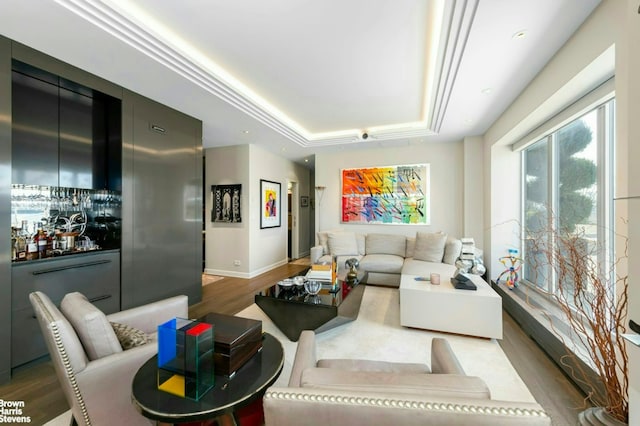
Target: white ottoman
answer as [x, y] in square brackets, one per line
[445, 308]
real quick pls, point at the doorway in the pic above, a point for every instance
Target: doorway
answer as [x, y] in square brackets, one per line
[293, 206]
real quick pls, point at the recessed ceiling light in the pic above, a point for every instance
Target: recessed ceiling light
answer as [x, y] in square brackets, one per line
[519, 35]
[246, 132]
[486, 90]
[306, 160]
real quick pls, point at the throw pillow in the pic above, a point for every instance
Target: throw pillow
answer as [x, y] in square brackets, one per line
[452, 250]
[342, 243]
[91, 325]
[429, 246]
[323, 238]
[411, 246]
[129, 337]
[386, 244]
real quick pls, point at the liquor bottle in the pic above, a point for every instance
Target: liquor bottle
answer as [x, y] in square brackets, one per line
[14, 239]
[32, 248]
[41, 238]
[21, 242]
[49, 247]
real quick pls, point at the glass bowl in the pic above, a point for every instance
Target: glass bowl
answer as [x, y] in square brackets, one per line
[312, 286]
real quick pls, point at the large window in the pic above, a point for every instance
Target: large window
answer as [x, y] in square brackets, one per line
[567, 181]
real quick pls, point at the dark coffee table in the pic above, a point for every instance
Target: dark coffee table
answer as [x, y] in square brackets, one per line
[228, 394]
[293, 309]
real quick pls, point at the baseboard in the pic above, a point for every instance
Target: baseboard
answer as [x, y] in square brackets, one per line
[245, 275]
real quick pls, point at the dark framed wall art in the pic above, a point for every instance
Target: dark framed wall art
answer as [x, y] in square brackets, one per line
[270, 214]
[226, 203]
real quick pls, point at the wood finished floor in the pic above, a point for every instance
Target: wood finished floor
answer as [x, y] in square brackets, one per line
[37, 386]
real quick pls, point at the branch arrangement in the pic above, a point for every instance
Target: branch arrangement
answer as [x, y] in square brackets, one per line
[593, 301]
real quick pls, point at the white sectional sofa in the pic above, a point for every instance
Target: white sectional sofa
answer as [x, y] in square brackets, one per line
[386, 256]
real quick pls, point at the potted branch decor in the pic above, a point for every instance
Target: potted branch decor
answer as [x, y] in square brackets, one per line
[592, 300]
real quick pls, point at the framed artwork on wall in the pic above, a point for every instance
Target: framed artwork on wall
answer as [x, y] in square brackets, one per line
[269, 204]
[304, 201]
[226, 203]
[386, 195]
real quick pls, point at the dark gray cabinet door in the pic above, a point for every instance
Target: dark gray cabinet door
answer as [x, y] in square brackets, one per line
[34, 146]
[95, 275]
[162, 227]
[76, 140]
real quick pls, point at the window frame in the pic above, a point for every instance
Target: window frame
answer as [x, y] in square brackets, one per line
[605, 179]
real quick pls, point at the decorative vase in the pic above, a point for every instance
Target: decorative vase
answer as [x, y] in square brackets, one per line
[352, 264]
[598, 416]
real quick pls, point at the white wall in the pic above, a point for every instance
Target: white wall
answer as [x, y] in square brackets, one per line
[227, 242]
[257, 250]
[473, 212]
[268, 247]
[447, 177]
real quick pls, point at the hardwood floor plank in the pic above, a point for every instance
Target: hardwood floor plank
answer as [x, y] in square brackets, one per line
[548, 384]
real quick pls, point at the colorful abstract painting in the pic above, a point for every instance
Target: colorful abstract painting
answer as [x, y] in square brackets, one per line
[388, 195]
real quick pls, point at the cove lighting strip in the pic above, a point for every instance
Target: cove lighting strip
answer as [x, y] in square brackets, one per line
[130, 24]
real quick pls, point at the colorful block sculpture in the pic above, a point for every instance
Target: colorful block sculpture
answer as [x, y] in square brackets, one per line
[185, 358]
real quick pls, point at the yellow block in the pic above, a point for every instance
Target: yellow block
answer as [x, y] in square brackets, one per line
[174, 385]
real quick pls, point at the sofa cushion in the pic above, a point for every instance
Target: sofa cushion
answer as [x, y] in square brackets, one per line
[430, 246]
[411, 246]
[342, 243]
[425, 385]
[129, 337]
[387, 263]
[386, 244]
[91, 325]
[360, 241]
[452, 250]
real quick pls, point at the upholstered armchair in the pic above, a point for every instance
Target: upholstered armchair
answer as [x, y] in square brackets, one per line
[367, 392]
[93, 368]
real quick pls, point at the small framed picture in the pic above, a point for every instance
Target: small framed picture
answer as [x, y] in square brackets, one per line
[304, 201]
[269, 204]
[226, 203]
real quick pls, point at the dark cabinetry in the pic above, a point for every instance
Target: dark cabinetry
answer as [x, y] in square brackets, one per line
[95, 275]
[64, 134]
[158, 172]
[163, 175]
[34, 131]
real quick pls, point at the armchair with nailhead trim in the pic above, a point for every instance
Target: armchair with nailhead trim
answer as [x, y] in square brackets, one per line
[94, 369]
[368, 392]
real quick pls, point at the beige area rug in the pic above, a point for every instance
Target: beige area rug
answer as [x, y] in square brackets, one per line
[377, 335]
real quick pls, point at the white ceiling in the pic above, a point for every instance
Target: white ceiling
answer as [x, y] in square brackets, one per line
[301, 76]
